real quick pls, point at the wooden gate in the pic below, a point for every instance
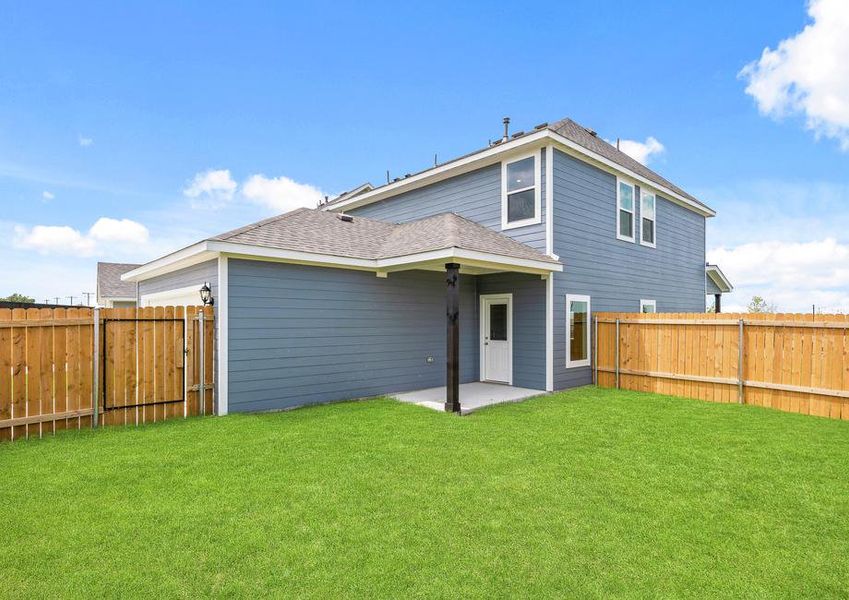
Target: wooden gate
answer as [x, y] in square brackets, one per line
[75, 368]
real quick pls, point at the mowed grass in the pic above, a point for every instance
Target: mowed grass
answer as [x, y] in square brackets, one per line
[584, 493]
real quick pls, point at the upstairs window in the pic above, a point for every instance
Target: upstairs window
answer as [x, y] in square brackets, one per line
[520, 198]
[648, 203]
[624, 211]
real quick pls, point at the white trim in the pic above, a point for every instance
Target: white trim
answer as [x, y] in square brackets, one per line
[188, 256]
[598, 160]
[223, 326]
[549, 201]
[619, 209]
[585, 362]
[537, 218]
[719, 278]
[182, 291]
[483, 318]
[644, 303]
[491, 156]
[653, 243]
[549, 333]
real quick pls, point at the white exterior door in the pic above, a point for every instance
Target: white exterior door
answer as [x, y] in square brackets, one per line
[497, 338]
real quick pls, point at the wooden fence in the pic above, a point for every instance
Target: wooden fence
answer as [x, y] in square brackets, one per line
[79, 367]
[790, 362]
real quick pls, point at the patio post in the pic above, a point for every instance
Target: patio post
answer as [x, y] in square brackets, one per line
[452, 279]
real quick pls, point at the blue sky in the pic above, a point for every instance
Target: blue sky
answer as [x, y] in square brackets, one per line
[111, 111]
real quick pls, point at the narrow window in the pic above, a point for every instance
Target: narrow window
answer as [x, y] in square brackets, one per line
[577, 331]
[625, 211]
[520, 196]
[648, 306]
[648, 202]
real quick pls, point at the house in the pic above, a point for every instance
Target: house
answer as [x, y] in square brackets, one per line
[112, 291]
[486, 268]
[716, 284]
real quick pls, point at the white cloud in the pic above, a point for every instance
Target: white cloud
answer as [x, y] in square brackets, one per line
[85, 142]
[642, 152]
[211, 188]
[47, 195]
[105, 236]
[808, 74]
[793, 275]
[280, 193]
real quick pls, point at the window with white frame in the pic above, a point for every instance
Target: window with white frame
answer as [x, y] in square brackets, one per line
[624, 211]
[577, 330]
[648, 306]
[520, 193]
[648, 204]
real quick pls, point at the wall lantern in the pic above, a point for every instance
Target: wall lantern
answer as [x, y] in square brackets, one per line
[206, 295]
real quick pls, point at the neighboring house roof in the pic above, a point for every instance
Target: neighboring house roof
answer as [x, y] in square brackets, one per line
[109, 283]
[319, 232]
[718, 277]
[585, 139]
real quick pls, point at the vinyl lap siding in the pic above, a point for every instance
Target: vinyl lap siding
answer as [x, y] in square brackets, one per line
[194, 275]
[614, 273]
[475, 195]
[303, 335]
[528, 324]
[710, 287]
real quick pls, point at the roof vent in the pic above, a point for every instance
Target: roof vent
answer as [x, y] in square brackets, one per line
[506, 122]
[541, 126]
[346, 218]
[592, 132]
[518, 134]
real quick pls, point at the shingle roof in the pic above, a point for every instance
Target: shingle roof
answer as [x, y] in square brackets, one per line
[581, 136]
[320, 232]
[109, 284]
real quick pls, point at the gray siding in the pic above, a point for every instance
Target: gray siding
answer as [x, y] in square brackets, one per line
[617, 274]
[528, 324]
[303, 335]
[710, 287]
[475, 195]
[194, 275]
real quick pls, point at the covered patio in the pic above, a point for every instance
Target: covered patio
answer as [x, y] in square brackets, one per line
[475, 395]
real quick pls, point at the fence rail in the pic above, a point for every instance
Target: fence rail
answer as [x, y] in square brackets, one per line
[79, 367]
[790, 362]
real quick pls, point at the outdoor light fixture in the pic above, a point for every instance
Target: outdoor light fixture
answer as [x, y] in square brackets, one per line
[206, 295]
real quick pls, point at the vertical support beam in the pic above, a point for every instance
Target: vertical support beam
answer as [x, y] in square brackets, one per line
[717, 303]
[95, 368]
[222, 322]
[617, 354]
[202, 358]
[452, 299]
[595, 351]
[740, 363]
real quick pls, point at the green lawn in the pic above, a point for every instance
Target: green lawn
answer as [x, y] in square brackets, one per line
[584, 493]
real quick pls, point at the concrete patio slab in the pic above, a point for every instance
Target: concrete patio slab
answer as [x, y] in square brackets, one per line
[472, 396]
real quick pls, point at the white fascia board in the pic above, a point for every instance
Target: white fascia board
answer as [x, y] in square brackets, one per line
[191, 255]
[471, 257]
[495, 154]
[480, 159]
[582, 153]
[719, 278]
[294, 256]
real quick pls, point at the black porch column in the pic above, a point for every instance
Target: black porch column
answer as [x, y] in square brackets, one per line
[452, 297]
[717, 303]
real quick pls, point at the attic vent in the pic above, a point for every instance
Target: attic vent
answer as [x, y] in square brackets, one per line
[541, 126]
[346, 218]
[518, 134]
[592, 132]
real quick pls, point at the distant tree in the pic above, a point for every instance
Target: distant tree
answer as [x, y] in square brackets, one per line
[759, 305]
[16, 297]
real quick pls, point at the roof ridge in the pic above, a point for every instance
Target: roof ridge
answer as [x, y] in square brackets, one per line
[257, 225]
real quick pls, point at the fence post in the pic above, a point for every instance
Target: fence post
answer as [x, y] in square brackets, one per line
[617, 354]
[202, 359]
[740, 363]
[95, 368]
[595, 352]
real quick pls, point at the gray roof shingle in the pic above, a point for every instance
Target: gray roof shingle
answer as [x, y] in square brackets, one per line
[109, 284]
[317, 231]
[581, 136]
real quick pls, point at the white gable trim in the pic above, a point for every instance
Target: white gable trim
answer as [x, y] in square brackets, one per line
[719, 278]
